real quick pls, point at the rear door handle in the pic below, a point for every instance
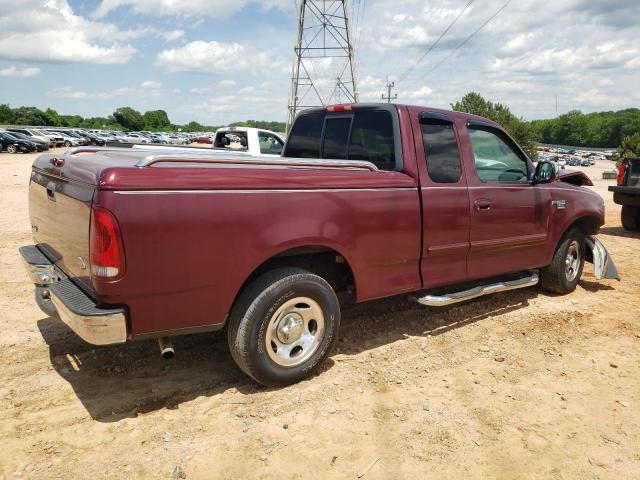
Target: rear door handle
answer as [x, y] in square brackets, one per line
[482, 204]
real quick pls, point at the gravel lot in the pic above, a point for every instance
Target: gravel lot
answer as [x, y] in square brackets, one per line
[522, 385]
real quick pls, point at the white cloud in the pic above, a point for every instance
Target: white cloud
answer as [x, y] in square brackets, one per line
[151, 84]
[147, 89]
[32, 30]
[172, 35]
[191, 8]
[217, 57]
[13, 71]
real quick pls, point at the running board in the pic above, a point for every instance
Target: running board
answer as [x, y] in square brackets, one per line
[451, 298]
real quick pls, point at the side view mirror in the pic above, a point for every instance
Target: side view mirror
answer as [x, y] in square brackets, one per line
[545, 172]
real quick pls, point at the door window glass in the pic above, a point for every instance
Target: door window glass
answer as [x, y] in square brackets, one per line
[269, 143]
[495, 159]
[441, 151]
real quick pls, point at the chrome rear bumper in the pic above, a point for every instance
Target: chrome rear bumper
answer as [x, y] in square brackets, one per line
[56, 294]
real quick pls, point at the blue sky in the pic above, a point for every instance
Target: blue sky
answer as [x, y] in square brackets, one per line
[217, 61]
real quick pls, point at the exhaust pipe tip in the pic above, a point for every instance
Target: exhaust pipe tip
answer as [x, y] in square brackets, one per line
[166, 348]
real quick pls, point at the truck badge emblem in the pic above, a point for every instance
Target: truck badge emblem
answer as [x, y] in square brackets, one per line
[559, 204]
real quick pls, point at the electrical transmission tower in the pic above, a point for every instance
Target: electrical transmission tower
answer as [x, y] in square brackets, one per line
[323, 69]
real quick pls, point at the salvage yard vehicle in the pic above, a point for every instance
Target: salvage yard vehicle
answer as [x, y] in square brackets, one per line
[34, 135]
[255, 141]
[368, 201]
[41, 146]
[14, 145]
[627, 193]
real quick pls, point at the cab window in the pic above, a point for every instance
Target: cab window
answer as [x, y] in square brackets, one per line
[269, 143]
[441, 152]
[495, 159]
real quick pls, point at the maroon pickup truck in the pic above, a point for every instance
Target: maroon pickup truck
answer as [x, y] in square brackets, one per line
[368, 199]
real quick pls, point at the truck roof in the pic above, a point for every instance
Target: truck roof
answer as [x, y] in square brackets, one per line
[419, 108]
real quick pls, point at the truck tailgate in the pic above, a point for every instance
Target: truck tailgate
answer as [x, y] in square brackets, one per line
[60, 211]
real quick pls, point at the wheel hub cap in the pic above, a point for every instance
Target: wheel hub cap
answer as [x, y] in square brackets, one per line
[572, 261]
[290, 328]
[294, 332]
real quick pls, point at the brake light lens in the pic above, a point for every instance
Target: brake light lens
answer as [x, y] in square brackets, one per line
[622, 170]
[105, 245]
[339, 108]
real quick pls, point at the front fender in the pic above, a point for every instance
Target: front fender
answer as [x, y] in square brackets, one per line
[603, 266]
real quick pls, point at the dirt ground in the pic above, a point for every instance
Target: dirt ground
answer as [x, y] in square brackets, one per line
[519, 385]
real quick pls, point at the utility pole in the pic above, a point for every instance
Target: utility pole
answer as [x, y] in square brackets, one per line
[323, 67]
[556, 104]
[389, 86]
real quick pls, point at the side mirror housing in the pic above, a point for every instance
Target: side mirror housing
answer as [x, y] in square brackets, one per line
[545, 173]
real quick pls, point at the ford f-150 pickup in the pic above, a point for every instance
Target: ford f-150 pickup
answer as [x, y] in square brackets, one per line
[368, 201]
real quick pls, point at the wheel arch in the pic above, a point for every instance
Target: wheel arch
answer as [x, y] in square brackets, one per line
[326, 262]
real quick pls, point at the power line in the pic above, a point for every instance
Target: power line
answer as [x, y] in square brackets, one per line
[465, 41]
[434, 44]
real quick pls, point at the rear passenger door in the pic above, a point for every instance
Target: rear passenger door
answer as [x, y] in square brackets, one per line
[445, 202]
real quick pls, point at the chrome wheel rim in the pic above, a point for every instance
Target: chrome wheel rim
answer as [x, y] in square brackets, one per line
[294, 332]
[572, 261]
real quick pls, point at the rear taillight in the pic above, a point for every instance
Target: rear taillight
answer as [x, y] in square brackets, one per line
[622, 170]
[105, 245]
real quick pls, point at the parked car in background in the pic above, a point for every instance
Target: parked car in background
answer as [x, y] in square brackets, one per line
[34, 134]
[67, 140]
[255, 141]
[14, 145]
[208, 139]
[585, 162]
[55, 140]
[41, 146]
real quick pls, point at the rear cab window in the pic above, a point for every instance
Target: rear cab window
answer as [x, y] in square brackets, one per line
[441, 149]
[367, 134]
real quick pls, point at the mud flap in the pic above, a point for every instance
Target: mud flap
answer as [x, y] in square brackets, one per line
[603, 266]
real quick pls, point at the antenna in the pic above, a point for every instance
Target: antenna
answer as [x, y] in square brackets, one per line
[323, 67]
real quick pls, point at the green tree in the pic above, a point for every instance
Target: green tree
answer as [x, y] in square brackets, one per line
[53, 117]
[29, 116]
[6, 114]
[630, 147]
[156, 120]
[129, 118]
[520, 130]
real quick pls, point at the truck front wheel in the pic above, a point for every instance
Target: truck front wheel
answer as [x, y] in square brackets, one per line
[631, 218]
[565, 270]
[283, 325]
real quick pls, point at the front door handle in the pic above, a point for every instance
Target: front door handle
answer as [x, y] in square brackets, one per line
[482, 204]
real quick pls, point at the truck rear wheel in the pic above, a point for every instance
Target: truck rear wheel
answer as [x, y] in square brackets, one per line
[564, 273]
[283, 325]
[631, 218]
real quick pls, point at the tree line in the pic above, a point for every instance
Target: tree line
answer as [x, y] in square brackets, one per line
[124, 118]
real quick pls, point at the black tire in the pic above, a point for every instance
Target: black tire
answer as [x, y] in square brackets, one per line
[557, 277]
[12, 149]
[631, 218]
[67, 143]
[259, 303]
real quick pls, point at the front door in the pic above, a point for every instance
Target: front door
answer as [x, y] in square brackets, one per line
[509, 215]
